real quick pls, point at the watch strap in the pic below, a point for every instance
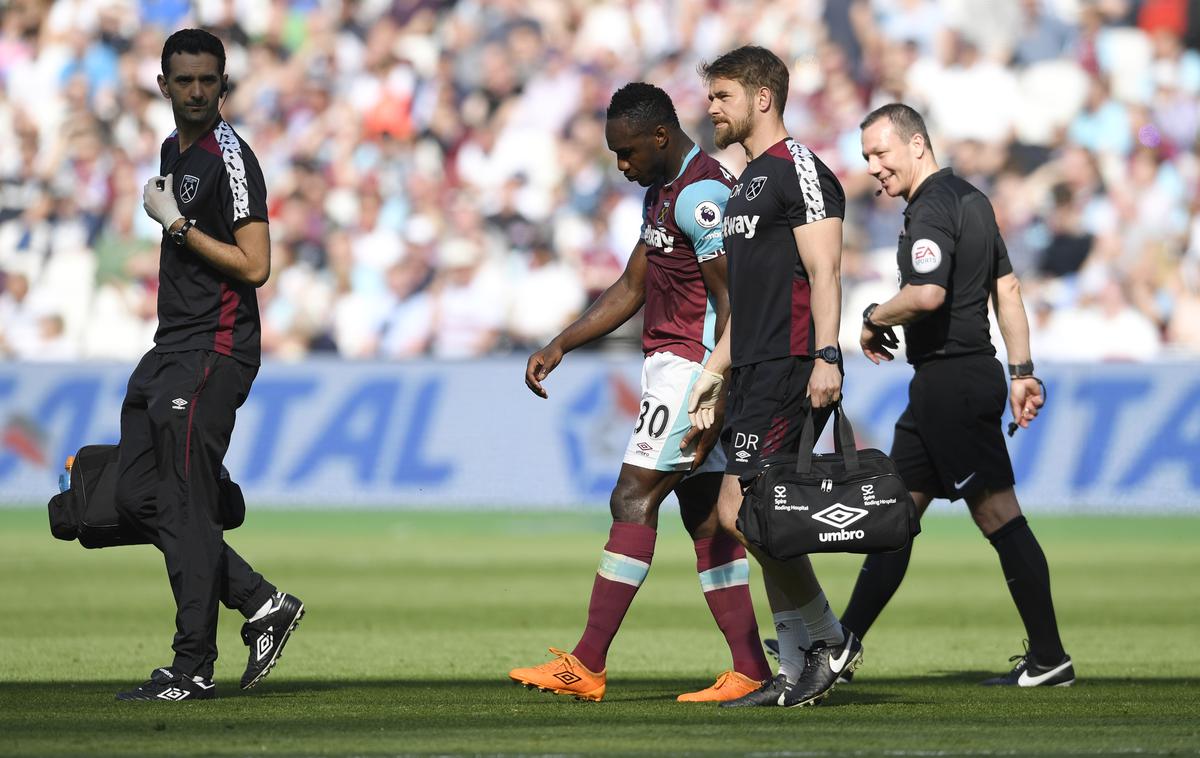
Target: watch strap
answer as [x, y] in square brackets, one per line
[1018, 370]
[867, 316]
[829, 350]
[180, 235]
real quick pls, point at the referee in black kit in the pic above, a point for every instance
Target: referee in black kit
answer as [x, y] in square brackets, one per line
[182, 398]
[948, 442]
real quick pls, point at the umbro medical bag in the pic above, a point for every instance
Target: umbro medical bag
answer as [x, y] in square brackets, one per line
[849, 501]
[87, 509]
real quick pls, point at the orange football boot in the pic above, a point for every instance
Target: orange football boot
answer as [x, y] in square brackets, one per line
[564, 675]
[730, 685]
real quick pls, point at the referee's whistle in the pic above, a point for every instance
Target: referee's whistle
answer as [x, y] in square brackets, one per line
[1012, 428]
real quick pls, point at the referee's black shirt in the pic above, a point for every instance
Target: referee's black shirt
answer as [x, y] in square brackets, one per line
[950, 239]
[218, 183]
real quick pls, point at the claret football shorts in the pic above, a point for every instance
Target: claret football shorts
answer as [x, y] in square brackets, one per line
[662, 417]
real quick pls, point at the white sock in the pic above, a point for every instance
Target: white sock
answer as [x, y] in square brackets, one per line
[823, 625]
[264, 610]
[793, 641]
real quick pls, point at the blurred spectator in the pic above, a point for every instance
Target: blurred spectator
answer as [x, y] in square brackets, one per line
[1183, 329]
[48, 342]
[546, 297]
[18, 318]
[469, 300]
[408, 326]
[1103, 126]
[440, 182]
[1102, 326]
[1041, 35]
[1069, 244]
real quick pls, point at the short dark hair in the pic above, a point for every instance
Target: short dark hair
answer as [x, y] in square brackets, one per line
[193, 41]
[904, 118]
[644, 106]
[753, 67]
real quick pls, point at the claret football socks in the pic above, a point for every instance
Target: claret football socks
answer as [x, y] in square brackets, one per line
[725, 580]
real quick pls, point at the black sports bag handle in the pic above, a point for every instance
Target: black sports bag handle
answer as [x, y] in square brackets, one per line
[843, 440]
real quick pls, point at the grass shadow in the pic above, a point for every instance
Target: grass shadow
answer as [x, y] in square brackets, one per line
[627, 689]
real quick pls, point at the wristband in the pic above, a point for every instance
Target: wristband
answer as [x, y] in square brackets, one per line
[1019, 370]
[867, 322]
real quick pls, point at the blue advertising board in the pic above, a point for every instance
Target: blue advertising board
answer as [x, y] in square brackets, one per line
[441, 434]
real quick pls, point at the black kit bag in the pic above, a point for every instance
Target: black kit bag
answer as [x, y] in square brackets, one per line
[850, 501]
[87, 509]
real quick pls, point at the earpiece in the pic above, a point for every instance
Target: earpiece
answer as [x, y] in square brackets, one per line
[224, 87]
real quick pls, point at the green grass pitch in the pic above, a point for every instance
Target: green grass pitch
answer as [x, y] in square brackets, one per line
[415, 618]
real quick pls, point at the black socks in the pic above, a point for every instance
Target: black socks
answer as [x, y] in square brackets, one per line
[879, 579]
[1028, 578]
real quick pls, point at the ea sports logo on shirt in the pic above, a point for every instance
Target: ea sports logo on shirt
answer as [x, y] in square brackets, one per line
[926, 256]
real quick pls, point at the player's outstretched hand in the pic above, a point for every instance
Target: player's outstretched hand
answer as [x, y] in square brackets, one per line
[702, 405]
[877, 344]
[540, 365]
[825, 384]
[1025, 399]
[158, 198]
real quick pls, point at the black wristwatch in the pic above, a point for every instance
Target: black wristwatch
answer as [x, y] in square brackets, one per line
[179, 236]
[1018, 370]
[867, 322]
[829, 354]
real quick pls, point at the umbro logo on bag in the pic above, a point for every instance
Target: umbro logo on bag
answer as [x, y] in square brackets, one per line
[263, 646]
[839, 516]
[173, 693]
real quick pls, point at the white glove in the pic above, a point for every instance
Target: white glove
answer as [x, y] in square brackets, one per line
[159, 202]
[702, 405]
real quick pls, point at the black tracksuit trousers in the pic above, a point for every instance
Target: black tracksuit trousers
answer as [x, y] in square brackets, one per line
[176, 422]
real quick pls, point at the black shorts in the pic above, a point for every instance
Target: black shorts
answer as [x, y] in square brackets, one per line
[948, 441]
[764, 411]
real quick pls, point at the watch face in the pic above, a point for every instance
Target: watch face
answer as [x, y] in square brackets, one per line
[828, 354]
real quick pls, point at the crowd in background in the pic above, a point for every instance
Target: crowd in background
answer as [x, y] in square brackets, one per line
[438, 180]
